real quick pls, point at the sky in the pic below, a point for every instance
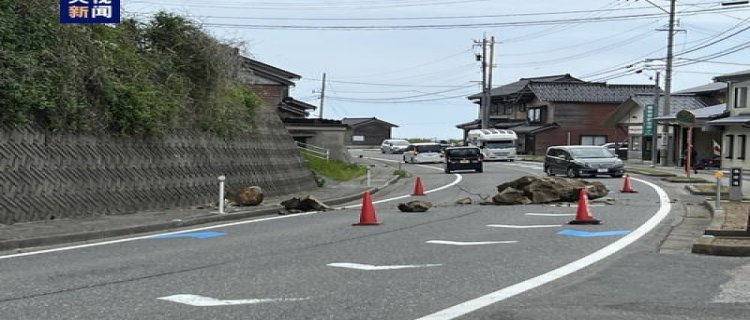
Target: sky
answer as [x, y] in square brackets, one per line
[412, 63]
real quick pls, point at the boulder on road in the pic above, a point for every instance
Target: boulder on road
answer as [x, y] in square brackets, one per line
[531, 189]
[304, 204]
[414, 206]
[246, 196]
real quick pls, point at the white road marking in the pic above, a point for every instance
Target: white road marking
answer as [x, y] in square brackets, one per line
[201, 301]
[550, 214]
[88, 245]
[369, 267]
[511, 226]
[507, 292]
[477, 243]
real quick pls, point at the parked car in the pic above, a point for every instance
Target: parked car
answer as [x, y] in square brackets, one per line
[576, 161]
[393, 146]
[424, 152]
[463, 158]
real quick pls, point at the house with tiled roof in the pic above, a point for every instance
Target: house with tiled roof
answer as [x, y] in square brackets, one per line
[640, 127]
[735, 127]
[557, 110]
[272, 86]
[367, 131]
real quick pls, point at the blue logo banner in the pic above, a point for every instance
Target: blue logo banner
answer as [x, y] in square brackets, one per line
[89, 11]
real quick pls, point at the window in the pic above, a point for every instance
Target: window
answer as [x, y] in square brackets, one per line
[507, 109]
[740, 97]
[534, 115]
[593, 140]
[741, 140]
[729, 152]
[495, 109]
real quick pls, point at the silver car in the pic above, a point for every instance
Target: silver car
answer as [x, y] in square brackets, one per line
[393, 146]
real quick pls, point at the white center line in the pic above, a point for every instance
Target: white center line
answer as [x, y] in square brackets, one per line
[510, 226]
[369, 267]
[476, 243]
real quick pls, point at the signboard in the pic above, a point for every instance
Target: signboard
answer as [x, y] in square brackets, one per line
[89, 11]
[358, 138]
[648, 120]
[735, 184]
[685, 118]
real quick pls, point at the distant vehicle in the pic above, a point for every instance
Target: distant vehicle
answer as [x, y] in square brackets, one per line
[576, 161]
[621, 151]
[463, 158]
[393, 146]
[496, 144]
[424, 152]
[444, 144]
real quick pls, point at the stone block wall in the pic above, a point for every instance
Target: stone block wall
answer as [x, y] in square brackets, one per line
[45, 175]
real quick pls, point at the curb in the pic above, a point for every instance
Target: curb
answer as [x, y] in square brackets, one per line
[103, 234]
[722, 246]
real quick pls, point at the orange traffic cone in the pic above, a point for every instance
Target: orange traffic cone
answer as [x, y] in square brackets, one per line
[626, 188]
[582, 214]
[367, 217]
[418, 189]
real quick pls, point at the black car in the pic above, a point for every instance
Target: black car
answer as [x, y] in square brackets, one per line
[576, 161]
[463, 158]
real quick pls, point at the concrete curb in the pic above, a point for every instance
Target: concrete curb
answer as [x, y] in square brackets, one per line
[722, 246]
[719, 242]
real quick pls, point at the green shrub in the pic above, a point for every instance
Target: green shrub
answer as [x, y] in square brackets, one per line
[129, 79]
[334, 169]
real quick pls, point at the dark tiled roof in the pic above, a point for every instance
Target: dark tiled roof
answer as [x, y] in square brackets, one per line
[590, 92]
[523, 82]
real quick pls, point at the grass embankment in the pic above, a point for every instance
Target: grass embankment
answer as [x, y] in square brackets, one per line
[334, 169]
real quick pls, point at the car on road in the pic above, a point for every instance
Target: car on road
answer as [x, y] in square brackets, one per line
[463, 158]
[576, 161]
[423, 152]
[393, 146]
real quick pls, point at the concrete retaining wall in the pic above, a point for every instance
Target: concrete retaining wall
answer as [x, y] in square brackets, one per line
[50, 176]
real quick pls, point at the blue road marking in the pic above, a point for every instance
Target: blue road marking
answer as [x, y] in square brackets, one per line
[197, 235]
[577, 233]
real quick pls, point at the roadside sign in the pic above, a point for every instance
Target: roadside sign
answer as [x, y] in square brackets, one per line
[648, 120]
[685, 118]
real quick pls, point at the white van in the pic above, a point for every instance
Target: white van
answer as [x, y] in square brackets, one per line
[424, 152]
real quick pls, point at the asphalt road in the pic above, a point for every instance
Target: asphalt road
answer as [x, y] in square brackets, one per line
[454, 261]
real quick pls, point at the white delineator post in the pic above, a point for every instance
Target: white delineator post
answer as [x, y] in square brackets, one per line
[221, 193]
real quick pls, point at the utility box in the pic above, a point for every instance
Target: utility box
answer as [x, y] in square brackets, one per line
[735, 184]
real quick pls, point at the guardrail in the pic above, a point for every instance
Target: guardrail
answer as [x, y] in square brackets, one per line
[314, 151]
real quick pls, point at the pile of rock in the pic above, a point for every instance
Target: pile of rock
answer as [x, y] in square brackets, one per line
[532, 189]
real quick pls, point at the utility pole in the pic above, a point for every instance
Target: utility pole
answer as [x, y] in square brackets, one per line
[322, 95]
[487, 65]
[668, 82]
[485, 93]
[655, 132]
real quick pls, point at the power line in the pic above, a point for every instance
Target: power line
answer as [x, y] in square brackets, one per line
[463, 25]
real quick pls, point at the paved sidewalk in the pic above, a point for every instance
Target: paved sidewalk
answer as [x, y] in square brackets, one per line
[727, 232]
[16, 237]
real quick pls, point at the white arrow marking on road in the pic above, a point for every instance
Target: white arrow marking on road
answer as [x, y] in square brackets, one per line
[524, 227]
[369, 267]
[551, 214]
[201, 301]
[478, 243]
